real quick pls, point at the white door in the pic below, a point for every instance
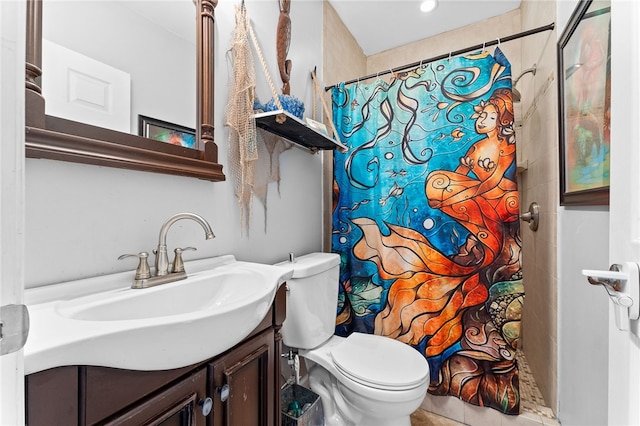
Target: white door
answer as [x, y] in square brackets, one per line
[624, 227]
[12, 56]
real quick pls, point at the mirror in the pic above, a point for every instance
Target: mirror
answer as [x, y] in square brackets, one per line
[63, 139]
[107, 62]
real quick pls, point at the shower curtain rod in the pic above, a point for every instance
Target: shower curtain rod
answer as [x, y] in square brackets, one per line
[537, 30]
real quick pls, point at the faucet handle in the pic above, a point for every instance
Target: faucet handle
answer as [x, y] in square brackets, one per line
[178, 265]
[143, 271]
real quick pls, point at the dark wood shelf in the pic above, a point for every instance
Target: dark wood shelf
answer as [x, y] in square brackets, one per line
[295, 130]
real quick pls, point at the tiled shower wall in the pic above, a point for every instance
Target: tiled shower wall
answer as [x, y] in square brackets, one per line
[343, 60]
[537, 149]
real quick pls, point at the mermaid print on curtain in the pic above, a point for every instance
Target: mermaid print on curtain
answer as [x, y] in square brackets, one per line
[425, 219]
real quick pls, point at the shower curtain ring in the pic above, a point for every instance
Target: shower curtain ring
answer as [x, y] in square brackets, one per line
[449, 60]
[498, 41]
[483, 46]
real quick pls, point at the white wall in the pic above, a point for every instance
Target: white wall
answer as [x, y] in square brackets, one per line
[80, 218]
[583, 243]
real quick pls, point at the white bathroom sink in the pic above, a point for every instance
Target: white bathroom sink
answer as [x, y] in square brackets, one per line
[221, 290]
[168, 326]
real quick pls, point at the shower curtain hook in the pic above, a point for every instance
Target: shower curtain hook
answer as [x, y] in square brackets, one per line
[421, 64]
[498, 42]
[449, 60]
[483, 46]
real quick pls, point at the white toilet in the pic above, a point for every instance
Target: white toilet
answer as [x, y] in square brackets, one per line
[362, 379]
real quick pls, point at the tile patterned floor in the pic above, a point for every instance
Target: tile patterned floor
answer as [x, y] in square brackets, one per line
[532, 400]
[449, 411]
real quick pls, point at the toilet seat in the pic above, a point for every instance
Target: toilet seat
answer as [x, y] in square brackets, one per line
[380, 362]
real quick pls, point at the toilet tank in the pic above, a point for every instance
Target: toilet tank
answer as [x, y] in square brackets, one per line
[312, 300]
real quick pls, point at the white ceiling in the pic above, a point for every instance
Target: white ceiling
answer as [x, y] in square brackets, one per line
[379, 25]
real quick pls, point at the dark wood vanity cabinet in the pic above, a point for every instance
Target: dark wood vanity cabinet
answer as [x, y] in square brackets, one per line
[180, 404]
[243, 385]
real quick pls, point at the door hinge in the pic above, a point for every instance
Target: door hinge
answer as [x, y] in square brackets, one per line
[14, 328]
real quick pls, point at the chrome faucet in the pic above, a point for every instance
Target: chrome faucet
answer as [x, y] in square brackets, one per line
[143, 277]
[162, 260]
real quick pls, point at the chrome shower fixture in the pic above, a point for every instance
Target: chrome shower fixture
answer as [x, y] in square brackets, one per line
[516, 93]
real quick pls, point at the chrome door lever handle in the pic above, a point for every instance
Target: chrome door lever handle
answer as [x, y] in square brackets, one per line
[613, 278]
[622, 284]
[607, 282]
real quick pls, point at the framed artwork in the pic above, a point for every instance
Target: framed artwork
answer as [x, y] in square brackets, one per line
[584, 84]
[166, 132]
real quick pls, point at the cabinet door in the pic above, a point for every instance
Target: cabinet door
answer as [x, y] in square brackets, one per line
[244, 383]
[106, 391]
[52, 397]
[179, 405]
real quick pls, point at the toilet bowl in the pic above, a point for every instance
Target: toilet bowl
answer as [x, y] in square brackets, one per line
[362, 379]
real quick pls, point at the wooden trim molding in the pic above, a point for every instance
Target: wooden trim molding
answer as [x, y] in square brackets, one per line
[42, 143]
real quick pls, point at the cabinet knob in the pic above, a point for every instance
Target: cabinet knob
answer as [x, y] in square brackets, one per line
[206, 405]
[223, 391]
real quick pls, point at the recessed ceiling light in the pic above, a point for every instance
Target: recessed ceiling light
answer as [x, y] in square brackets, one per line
[428, 5]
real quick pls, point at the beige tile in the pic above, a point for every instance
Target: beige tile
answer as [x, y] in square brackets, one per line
[426, 403]
[536, 13]
[524, 419]
[547, 412]
[448, 406]
[550, 422]
[490, 29]
[425, 418]
[343, 58]
[482, 416]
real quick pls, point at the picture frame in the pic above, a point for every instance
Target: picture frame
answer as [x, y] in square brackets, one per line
[584, 96]
[166, 132]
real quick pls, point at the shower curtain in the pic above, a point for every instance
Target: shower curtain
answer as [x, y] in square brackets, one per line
[425, 219]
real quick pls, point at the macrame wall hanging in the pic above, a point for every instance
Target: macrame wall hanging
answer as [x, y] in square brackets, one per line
[246, 144]
[243, 149]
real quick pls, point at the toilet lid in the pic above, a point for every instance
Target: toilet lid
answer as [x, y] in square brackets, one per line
[380, 362]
